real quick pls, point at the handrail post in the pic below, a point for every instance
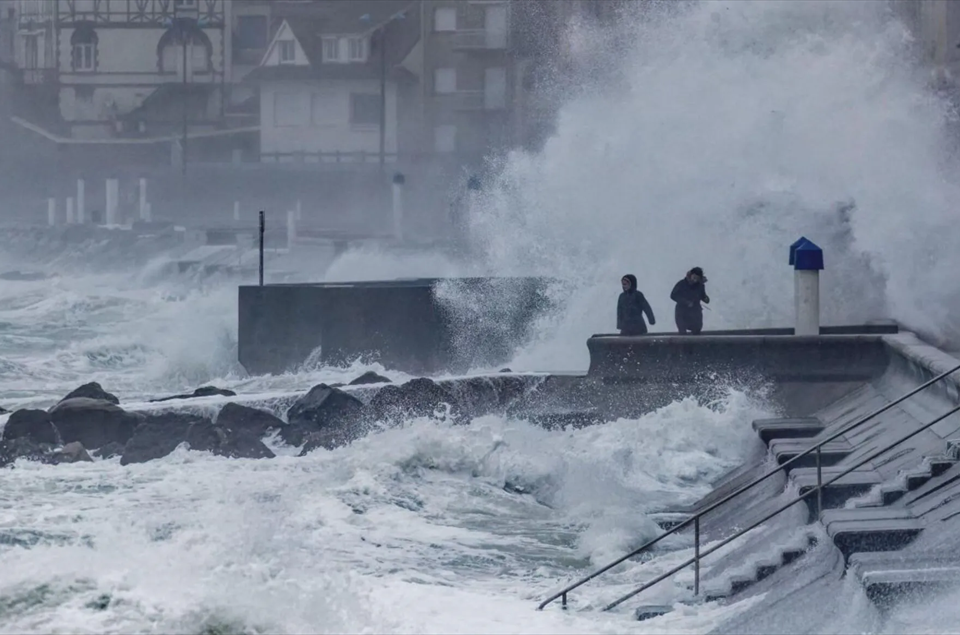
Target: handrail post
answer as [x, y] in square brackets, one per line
[696, 556]
[819, 486]
[262, 224]
[563, 602]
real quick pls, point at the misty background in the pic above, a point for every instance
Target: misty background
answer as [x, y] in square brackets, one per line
[578, 139]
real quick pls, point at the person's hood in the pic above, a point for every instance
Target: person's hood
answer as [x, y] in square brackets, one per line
[633, 281]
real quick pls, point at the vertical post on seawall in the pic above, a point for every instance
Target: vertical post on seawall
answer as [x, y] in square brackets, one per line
[261, 246]
[143, 199]
[81, 201]
[398, 182]
[113, 200]
[291, 228]
[70, 219]
[52, 212]
[807, 265]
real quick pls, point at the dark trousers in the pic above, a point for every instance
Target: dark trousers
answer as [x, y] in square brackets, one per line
[634, 330]
[689, 320]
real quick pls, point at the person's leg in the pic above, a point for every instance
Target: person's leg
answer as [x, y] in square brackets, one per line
[696, 323]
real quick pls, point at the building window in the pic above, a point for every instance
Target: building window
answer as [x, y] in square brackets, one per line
[83, 45]
[291, 109]
[185, 4]
[495, 88]
[31, 51]
[364, 109]
[170, 52]
[357, 49]
[445, 138]
[445, 81]
[331, 49]
[251, 32]
[288, 51]
[445, 19]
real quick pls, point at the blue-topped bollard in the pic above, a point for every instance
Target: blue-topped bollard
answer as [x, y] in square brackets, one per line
[807, 260]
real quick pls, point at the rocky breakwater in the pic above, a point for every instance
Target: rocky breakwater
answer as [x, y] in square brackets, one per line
[89, 423]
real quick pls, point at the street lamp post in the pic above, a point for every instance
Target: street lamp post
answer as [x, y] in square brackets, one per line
[381, 36]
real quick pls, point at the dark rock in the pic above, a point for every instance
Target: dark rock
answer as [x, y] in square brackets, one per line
[333, 437]
[31, 424]
[4, 411]
[248, 420]
[323, 408]
[420, 397]
[232, 443]
[93, 390]
[370, 377]
[108, 451]
[93, 422]
[204, 391]
[70, 453]
[23, 448]
[505, 370]
[158, 436]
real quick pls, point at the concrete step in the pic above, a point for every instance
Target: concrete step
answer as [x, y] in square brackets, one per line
[910, 480]
[852, 535]
[759, 570]
[649, 612]
[888, 577]
[835, 495]
[830, 453]
[790, 428]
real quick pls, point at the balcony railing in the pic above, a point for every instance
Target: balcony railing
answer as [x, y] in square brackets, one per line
[480, 39]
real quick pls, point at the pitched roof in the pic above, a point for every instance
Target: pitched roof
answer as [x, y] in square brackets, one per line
[310, 21]
[345, 17]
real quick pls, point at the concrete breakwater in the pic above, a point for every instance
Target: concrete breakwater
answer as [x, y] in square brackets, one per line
[889, 521]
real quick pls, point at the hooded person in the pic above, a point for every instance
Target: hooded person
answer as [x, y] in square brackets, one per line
[631, 307]
[688, 294]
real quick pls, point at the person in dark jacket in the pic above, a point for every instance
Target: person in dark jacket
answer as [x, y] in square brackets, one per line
[630, 308]
[688, 294]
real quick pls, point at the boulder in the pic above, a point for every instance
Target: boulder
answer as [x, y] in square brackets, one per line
[232, 443]
[109, 451]
[23, 448]
[93, 390]
[4, 411]
[248, 420]
[158, 436]
[70, 453]
[370, 377]
[93, 422]
[420, 397]
[203, 391]
[34, 425]
[323, 408]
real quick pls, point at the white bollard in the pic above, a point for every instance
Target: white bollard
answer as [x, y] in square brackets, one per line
[807, 263]
[291, 228]
[52, 212]
[81, 202]
[70, 219]
[113, 200]
[398, 182]
[236, 211]
[144, 215]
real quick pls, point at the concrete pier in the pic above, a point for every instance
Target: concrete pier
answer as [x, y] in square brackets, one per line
[401, 323]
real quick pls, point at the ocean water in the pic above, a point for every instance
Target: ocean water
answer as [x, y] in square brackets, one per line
[712, 134]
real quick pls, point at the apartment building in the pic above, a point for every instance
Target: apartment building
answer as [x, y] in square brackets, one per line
[339, 84]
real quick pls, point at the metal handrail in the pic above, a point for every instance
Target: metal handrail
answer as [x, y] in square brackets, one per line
[695, 519]
[698, 556]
